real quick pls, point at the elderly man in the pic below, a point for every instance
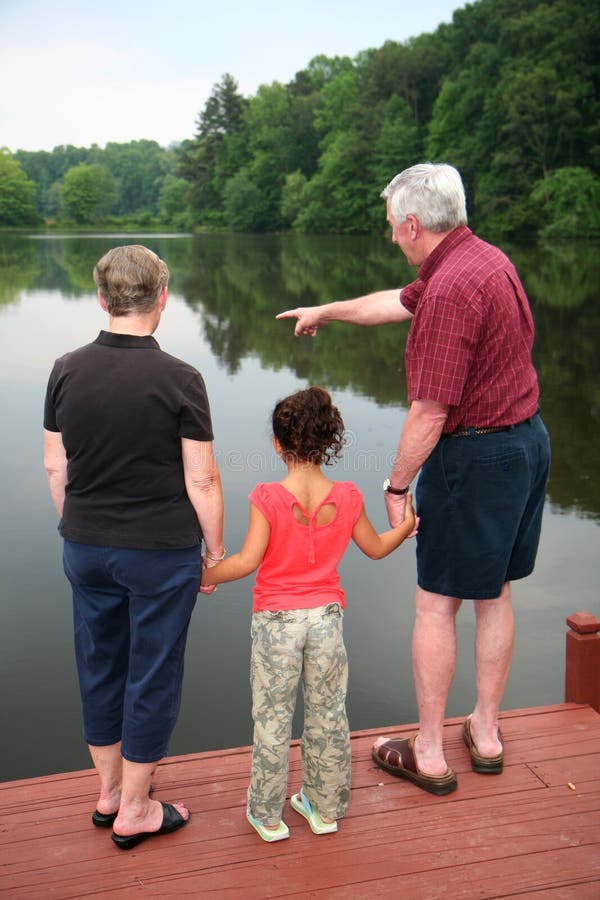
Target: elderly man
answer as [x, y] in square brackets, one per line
[474, 431]
[129, 457]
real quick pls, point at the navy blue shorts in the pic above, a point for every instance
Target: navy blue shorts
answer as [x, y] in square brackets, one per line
[480, 500]
[131, 611]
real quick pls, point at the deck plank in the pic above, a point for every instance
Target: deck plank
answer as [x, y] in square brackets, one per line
[534, 831]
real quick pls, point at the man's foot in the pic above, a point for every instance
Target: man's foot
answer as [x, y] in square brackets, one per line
[429, 759]
[484, 763]
[398, 758]
[490, 744]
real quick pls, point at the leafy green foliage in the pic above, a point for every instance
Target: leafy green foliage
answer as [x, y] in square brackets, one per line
[570, 203]
[16, 193]
[88, 194]
[508, 93]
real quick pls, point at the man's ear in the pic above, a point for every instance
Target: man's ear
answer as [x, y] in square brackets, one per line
[101, 302]
[414, 226]
[162, 297]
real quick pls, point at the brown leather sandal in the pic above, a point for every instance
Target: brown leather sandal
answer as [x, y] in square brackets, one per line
[484, 765]
[398, 758]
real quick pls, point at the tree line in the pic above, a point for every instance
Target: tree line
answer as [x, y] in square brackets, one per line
[507, 92]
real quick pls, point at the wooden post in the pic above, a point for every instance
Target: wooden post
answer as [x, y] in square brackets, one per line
[582, 674]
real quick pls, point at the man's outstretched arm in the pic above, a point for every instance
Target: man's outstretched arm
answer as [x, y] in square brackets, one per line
[378, 308]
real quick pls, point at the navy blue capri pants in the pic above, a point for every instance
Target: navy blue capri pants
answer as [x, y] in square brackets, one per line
[480, 499]
[131, 611]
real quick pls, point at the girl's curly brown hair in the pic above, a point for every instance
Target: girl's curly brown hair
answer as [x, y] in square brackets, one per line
[309, 427]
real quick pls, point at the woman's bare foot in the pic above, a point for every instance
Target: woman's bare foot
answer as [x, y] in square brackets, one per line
[147, 817]
[109, 801]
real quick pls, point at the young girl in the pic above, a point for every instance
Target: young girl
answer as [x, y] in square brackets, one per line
[298, 531]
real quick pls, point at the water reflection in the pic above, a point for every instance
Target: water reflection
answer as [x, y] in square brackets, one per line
[236, 284]
[225, 291]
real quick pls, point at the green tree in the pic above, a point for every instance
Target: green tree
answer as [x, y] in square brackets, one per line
[216, 152]
[569, 202]
[16, 193]
[47, 169]
[88, 194]
[138, 170]
[173, 205]
[293, 197]
[397, 146]
[245, 205]
[267, 122]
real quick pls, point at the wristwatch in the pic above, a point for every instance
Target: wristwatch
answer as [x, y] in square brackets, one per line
[388, 489]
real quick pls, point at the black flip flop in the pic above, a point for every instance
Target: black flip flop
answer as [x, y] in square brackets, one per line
[172, 820]
[103, 820]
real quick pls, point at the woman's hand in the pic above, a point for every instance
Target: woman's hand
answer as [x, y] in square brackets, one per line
[208, 563]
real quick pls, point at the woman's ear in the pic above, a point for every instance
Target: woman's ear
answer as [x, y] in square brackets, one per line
[276, 446]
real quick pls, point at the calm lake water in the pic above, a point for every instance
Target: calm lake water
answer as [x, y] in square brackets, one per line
[224, 294]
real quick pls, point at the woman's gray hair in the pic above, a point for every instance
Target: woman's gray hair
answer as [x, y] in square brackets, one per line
[130, 278]
[432, 192]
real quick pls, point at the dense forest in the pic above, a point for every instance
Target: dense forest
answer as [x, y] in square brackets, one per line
[508, 93]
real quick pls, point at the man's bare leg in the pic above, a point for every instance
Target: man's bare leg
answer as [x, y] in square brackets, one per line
[434, 660]
[494, 639]
[137, 812]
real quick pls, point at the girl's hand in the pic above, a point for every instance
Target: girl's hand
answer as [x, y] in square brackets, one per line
[409, 513]
[207, 588]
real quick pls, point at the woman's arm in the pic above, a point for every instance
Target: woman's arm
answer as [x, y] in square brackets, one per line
[203, 486]
[55, 464]
[376, 546]
[378, 308]
[250, 556]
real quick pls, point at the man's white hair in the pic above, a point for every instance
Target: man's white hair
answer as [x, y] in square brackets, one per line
[432, 192]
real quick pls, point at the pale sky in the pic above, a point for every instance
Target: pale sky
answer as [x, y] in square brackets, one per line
[73, 72]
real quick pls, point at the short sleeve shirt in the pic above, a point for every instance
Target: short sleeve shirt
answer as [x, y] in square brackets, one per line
[122, 406]
[299, 568]
[470, 340]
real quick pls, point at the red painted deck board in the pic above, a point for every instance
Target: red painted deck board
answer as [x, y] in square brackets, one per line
[525, 833]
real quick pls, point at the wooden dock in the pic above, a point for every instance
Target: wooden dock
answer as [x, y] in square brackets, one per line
[532, 832]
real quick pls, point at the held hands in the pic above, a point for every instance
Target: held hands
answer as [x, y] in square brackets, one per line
[307, 316]
[207, 563]
[400, 510]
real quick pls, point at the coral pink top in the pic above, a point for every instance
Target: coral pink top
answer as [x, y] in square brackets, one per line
[299, 568]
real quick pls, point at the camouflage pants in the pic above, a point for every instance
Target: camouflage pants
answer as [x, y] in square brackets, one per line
[288, 646]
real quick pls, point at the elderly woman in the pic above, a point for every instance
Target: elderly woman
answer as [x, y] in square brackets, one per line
[129, 457]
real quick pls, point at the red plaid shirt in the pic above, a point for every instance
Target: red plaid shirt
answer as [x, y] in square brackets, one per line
[469, 344]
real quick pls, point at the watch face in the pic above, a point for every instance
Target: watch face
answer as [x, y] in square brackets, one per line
[386, 485]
